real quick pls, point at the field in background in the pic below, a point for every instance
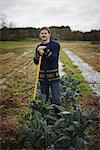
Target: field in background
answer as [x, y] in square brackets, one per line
[90, 53]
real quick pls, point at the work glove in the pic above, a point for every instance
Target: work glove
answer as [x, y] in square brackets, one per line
[44, 51]
[40, 50]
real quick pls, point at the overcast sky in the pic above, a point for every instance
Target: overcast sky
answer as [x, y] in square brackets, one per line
[82, 15]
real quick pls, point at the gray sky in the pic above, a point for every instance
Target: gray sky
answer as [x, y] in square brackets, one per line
[82, 15]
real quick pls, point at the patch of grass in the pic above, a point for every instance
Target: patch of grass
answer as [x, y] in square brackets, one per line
[72, 70]
[15, 46]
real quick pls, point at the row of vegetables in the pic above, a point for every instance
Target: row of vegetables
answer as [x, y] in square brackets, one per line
[67, 130]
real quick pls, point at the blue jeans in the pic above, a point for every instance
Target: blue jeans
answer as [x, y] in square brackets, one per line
[55, 90]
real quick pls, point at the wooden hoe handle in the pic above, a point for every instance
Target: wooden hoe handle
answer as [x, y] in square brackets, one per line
[37, 76]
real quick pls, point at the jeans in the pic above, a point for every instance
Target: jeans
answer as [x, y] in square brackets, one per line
[55, 90]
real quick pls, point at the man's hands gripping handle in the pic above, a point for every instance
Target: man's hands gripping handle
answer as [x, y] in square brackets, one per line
[42, 50]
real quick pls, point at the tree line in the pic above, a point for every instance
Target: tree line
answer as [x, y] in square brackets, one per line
[60, 33]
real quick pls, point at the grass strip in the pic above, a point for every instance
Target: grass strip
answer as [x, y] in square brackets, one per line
[73, 71]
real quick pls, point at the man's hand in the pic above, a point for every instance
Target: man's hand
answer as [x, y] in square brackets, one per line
[40, 50]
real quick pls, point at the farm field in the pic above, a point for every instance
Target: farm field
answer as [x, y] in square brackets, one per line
[17, 78]
[90, 53]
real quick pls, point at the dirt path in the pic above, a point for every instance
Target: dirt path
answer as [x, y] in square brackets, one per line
[92, 76]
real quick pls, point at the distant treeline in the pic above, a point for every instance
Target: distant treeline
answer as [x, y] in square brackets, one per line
[60, 33]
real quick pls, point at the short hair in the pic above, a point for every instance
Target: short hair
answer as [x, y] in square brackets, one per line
[45, 28]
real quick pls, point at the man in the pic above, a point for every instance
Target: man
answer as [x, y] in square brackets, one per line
[49, 73]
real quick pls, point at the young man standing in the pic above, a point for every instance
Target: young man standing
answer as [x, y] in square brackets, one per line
[49, 73]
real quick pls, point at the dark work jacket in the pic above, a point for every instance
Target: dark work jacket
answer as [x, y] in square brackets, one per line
[49, 64]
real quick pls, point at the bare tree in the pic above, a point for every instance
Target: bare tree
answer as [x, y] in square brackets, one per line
[3, 21]
[11, 25]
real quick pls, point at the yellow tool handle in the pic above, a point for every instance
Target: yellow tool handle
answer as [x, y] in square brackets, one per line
[37, 76]
[36, 83]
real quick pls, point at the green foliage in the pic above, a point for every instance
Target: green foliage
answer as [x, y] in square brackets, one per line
[69, 88]
[62, 33]
[69, 91]
[46, 131]
[40, 128]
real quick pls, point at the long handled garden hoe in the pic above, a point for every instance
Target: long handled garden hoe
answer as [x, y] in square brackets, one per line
[36, 83]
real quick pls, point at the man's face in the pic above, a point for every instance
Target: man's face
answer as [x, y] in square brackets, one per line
[44, 35]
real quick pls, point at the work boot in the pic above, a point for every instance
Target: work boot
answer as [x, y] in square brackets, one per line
[57, 112]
